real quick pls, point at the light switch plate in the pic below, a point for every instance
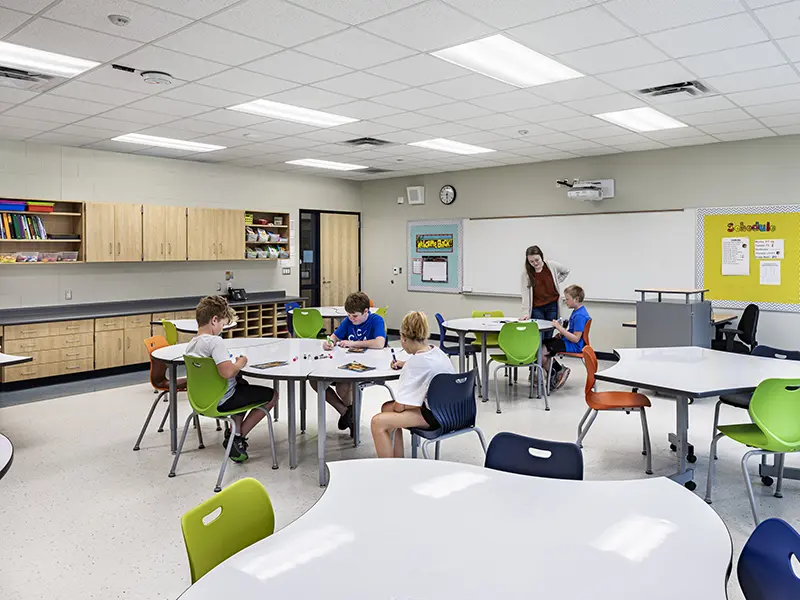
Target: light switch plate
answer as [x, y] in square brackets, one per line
[287, 270]
[68, 294]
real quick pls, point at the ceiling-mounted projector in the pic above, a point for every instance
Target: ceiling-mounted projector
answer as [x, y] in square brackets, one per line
[588, 191]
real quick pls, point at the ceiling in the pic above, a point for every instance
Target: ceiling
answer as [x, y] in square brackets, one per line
[369, 59]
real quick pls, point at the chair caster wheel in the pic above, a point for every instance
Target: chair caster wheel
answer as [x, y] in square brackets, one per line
[546, 410]
[778, 495]
[673, 447]
[484, 399]
[136, 448]
[275, 467]
[644, 452]
[201, 447]
[217, 490]
[690, 485]
[767, 480]
[499, 411]
[171, 475]
[691, 458]
[649, 472]
[160, 430]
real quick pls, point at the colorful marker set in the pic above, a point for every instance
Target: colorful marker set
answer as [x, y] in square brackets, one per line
[309, 356]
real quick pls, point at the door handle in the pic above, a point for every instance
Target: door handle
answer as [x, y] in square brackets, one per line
[162, 248]
[110, 248]
[119, 248]
[120, 343]
[220, 248]
[169, 248]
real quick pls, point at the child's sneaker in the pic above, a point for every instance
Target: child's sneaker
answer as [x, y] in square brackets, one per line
[561, 377]
[239, 448]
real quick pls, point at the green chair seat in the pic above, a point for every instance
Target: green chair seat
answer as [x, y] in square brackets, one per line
[510, 361]
[746, 433]
[491, 338]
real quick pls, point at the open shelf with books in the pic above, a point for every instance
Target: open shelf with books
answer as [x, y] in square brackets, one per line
[267, 235]
[40, 231]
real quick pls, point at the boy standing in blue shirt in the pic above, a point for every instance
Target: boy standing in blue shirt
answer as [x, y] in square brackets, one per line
[569, 339]
[361, 329]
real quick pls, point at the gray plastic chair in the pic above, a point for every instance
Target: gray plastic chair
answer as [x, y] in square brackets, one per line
[451, 399]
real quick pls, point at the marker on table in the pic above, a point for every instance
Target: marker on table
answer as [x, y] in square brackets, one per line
[394, 358]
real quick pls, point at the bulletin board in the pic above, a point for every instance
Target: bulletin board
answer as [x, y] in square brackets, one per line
[435, 256]
[750, 254]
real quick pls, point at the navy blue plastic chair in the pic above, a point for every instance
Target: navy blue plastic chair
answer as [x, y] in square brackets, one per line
[290, 306]
[765, 565]
[530, 456]
[742, 399]
[470, 350]
[451, 399]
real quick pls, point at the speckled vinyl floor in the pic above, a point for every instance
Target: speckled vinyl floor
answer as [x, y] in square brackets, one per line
[83, 516]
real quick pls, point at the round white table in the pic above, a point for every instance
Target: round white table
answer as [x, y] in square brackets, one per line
[485, 326]
[489, 534]
[331, 312]
[322, 372]
[189, 325]
[6, 455]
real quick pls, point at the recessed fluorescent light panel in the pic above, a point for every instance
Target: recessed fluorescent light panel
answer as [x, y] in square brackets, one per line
[47, 63]
[451, 146]
[641, 119]
[325, 164]
[295, 114]
[151, 140]
[508, 61]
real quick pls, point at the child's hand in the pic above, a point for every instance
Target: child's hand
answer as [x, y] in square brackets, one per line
[327, 346]
[346, 344]
[525, 318]
[242, 360]
[398, 364]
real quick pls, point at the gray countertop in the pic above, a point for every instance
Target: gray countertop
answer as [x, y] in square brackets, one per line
[66, 312]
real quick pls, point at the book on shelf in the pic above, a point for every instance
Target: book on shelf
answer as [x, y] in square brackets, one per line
[24, 227]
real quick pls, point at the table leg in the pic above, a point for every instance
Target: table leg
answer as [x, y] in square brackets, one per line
[539, 360]
[484, 368]
[292, 424]
[275, 410]
[322, 386]
[173, 407]
[303, 390]
[462, 351]
[357, 392]
[685, 474]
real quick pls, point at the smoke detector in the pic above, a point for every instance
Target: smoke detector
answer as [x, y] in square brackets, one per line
[119, 20]
[157, 77]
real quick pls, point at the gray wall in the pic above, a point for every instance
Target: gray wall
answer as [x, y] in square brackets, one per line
[740, 173]
[54, 173]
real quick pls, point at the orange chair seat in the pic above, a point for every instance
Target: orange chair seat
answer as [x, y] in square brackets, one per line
[615, 400]
[163, 386]
[573, 354]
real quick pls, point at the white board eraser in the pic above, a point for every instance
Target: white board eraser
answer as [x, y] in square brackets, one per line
[466, 290]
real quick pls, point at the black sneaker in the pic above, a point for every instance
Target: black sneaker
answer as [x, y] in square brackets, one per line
[346, 420]
[238, 450]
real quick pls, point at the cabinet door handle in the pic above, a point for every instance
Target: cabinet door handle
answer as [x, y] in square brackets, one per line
[169, 248]
[111, 324]
[28, 372]
[162, 248]
[119, 248]
[220, 248]
[28, 346]
[26, 331]
[110, 248]
[72, 354]
[74, 341]
[73, 327]
[73, 367]
[120, 343]
[129, 342]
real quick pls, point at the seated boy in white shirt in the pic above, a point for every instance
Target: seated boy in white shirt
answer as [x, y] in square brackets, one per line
[410, 410]
[213, 314]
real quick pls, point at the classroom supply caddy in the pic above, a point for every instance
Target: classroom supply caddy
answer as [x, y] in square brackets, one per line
[40, 232]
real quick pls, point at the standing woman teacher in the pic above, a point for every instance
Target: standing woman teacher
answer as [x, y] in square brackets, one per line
[541, 286]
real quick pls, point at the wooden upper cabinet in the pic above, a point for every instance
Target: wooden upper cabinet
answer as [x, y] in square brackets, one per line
[231, 235]
[201, 233]
[175, 219]
[99, 232]
[128, 232]
[154, 232]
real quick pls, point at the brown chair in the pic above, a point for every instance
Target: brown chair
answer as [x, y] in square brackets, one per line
[160, 383]
[585, 337]
[597, 401]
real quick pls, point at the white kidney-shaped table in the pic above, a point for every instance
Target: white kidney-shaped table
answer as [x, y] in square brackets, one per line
[189, 325]
[692, 372]
[483, 326]
[489, 534]
[301, 367]
[6, 447]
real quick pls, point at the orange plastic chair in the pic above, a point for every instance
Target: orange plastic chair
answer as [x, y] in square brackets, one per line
[597, 401]
[585, 337]
[160, 383]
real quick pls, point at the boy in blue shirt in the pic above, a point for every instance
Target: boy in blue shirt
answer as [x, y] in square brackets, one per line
[361, 329]
[569, 339]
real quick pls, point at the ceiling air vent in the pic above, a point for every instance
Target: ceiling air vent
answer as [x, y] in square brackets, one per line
[693, 89]
[28, 80]
[374, 171]
[368, 142]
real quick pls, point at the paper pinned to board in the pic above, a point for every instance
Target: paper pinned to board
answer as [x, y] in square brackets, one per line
[770, 272]
[768, 249]
[416, 266]
[736, 256]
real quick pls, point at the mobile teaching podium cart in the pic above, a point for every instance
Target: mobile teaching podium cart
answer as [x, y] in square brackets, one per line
[663, 323]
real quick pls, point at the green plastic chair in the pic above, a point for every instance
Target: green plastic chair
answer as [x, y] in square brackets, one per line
[520, 343]
[205, 388]
[382, 312]
[307, 323]
[245, 517]
[491, 338]
[170, 332]
[775, 412]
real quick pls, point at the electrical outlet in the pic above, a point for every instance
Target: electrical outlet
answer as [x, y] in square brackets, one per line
[287, 270]
[68, 294]
[219, 286]
[400, 200]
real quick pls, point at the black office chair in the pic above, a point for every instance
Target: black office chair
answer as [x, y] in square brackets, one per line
[742, 399]
[746, 333]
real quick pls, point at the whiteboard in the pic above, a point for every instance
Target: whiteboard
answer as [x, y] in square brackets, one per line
[609, 255]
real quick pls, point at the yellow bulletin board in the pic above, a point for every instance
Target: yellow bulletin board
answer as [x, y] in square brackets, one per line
[750, 255]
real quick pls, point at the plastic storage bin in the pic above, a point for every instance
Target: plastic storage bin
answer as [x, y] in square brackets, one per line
[67, 256]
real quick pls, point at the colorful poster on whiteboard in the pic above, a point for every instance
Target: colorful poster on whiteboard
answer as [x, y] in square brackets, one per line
[435, 256]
